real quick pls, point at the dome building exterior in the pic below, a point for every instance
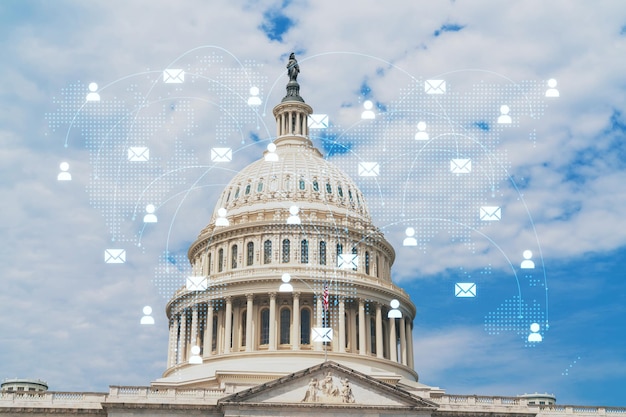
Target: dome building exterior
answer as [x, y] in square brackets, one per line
[296, 214]
[290, 310]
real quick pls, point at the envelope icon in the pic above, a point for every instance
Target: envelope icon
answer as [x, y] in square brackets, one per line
[461, 166]
[435, 86]
[221, 154]
[348, 261]
[173, 76]
[322, 334]
[114, 256]
[465, 289]
[369, 169]
[138, 154]
[317, 121]
[490, 213]
[196, 283]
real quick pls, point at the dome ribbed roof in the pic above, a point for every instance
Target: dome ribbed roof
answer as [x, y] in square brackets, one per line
[300, 177]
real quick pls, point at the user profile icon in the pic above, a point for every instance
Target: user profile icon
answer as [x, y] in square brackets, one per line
[534, 335]
[293, 215]
[527, 263]
[409, 240]
[368, 113]
[254, 99]
[552, 91]
[64, 175]
[93, 93]
[147, 317]
[221, 217]
[504, 117]
[421, 131]
[271, 155]
[150, 217]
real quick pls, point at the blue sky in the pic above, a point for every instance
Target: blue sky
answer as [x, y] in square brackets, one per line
[558, 171]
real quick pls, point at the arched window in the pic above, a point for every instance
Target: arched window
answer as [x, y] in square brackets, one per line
[322, 253]
[372, 335]
[244, 324]
[228, 197]
[259, 187]
[329, 189]
[305, 326]
[340, 191]
[377, 268]
[250, 254]
[286, 250]
[220, 260]
[210, 264]
[367, 263]
[233, 257]
[339, 252]
[357, 333]
[214, 333]
[285, 326]
[264, 336]
[267, 252]
[316, 186]
[247, 189]
[354, 252]
[304, 251]
[236, 193]
[301, 184]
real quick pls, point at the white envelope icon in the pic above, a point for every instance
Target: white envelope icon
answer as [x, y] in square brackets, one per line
[465, 289]
[138, 154]
[435, 86]
[348, 261]
[461, 166]
[221, 154]
[196, 283]
[369, 169]
[322, 334]
[490, 213]
[173, 76]
[317, 121]
[114, 256]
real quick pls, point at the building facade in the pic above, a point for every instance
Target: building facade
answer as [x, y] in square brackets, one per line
[290, 311]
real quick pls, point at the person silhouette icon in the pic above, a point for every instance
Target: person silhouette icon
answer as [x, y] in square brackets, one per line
[64, 175]
[527, 263]
[534, 335]
[504, 117]
[368, 113]
[150, 217]
[195, 357]
[409, 240]
[93, 94]
[147, 318]
[421, 131]
[254, 99]
[286, 285]
[221, 217]
[552, 91]
[271, 155]
[293, 218]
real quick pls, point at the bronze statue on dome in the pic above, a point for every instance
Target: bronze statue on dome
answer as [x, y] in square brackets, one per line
[293, 69]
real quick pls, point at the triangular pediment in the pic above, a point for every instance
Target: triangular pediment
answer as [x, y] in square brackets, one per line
[329, 384]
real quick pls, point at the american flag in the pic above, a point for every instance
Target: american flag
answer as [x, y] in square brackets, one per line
[325, 298]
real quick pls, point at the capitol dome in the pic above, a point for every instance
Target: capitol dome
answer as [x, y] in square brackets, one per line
[289, 272]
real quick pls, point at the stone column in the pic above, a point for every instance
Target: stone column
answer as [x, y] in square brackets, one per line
[193, 341]
[362, 338]
[249, 307]
[393, 341]
[320, 315]
[272, 345]
[403, 341]
[228, 325]
[409, 340]
[172, 342]
[182, 346]
[379, 332]
[207, 350]
[295, 320]
[342, 325]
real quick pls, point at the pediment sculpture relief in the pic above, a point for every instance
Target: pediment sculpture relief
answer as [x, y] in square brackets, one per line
[328, 391]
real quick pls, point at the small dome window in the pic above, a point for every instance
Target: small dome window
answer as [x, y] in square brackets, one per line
[301, 185]
[329, 189]
[259, 187]
[247, 189]
[228, 197]
[236, 193]
[316, 186]
[340, 191]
